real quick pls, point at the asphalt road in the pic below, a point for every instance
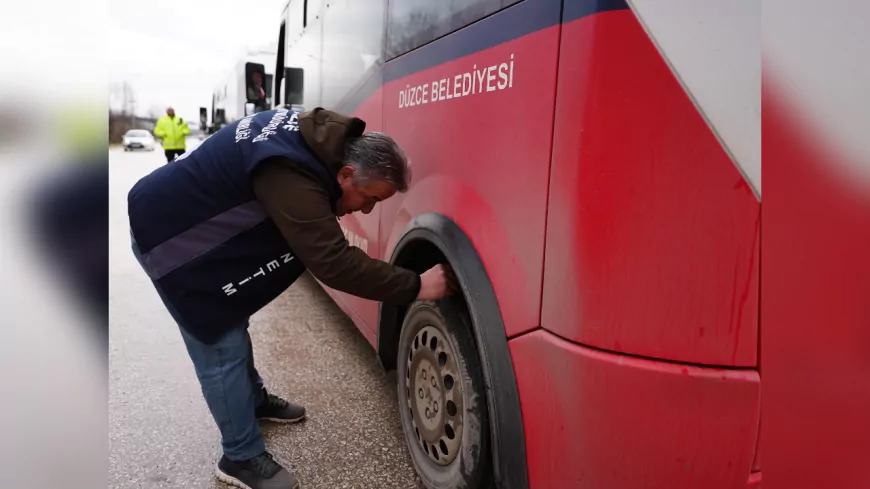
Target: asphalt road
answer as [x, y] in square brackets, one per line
[161, 434]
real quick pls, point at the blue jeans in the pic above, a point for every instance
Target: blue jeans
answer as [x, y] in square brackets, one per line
[230, 383]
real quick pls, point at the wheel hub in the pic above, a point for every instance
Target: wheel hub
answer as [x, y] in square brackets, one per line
[434, 395]
[429, 397]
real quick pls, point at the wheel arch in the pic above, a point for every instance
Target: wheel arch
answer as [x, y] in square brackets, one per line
[433, 238]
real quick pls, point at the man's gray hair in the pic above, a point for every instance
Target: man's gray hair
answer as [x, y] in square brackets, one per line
[376, 156]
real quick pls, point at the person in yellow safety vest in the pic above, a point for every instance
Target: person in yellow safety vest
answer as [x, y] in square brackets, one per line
[172, 131]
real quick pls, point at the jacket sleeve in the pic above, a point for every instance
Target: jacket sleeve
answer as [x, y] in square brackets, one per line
[300, 207]
[159, 130]
[185, 129]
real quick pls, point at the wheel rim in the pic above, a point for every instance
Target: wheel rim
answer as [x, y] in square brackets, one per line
[434, 392]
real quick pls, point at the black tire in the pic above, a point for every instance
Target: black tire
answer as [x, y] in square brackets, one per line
[470, 465]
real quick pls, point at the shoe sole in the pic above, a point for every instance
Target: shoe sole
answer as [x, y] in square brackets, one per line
[232, 481]
[283, 420]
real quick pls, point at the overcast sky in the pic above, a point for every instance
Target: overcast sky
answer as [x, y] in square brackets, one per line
[173, 52]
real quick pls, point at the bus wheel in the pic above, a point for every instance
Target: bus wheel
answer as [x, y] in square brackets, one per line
[442, 398]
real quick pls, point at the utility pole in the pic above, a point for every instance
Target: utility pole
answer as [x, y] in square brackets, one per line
[128, 102]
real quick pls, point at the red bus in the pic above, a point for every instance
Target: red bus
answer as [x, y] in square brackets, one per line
[590, 169]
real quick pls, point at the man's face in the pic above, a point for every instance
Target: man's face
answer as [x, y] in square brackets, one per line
[170, 112]
[361, 198]
[257, 78]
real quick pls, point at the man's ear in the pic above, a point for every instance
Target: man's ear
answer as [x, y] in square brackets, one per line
[345, 173]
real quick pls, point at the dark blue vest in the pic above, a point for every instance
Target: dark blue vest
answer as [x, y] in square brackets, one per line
[205, 240]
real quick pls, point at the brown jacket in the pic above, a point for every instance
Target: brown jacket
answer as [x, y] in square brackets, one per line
[300, 207]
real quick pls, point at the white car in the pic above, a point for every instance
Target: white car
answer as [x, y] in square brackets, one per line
[138, 139]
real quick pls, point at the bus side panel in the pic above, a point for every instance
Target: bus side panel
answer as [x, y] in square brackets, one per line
[352, 46]
[362, 230]
[482, 158]
[240, 97]
[631, 423]
[653, 233]
[305, 52]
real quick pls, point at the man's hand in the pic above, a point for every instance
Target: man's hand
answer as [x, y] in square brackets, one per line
[436, 283]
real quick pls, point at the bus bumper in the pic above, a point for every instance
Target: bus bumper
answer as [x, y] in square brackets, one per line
[597, 419]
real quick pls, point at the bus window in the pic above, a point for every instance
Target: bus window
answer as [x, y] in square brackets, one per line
[355, 30]
[413, 23]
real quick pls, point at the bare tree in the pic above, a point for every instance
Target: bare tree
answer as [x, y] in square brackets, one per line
[123, 119]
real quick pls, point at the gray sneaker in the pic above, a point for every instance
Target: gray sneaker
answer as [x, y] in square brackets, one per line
[260, 472]
[273, 408]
